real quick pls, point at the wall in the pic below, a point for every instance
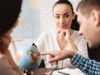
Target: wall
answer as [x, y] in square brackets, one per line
[29, 21]
[36, 17]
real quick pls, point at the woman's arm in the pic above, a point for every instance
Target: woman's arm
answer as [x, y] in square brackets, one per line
[72, 43]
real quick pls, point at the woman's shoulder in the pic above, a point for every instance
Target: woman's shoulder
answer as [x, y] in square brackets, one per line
[44, 37]
[77, 37]
[46, 34]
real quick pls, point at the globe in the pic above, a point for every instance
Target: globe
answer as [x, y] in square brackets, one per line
[28, 58]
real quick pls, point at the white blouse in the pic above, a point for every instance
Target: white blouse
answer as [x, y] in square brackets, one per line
[48, 42]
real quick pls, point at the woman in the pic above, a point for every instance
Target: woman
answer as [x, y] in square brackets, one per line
[63, 38]
[9, 12]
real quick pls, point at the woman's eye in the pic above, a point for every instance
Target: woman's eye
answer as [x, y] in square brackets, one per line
[57, 16]
[66, 15]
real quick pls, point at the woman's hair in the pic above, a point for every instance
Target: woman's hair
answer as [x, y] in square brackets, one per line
[9, 12]
[67, 2]
[75, 25]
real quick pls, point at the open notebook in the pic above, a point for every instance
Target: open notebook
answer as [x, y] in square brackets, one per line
[68, 71]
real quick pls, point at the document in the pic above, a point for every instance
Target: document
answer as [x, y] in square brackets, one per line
[68, 71]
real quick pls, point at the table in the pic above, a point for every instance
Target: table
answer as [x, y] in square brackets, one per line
[41, 71]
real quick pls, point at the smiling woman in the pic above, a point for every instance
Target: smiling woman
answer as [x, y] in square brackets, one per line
[63, 37]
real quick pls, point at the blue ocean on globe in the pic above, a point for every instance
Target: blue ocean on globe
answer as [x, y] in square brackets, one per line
[28, 61]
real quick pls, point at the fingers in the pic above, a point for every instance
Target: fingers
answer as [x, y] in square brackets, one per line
[63, 34]
[44, 53]
[53, 63]
[52, 55]
[48, 53]
[68, 34]
[60, 56]
[54, 59]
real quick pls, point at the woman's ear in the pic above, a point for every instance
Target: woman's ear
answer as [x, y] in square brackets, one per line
[95, 17]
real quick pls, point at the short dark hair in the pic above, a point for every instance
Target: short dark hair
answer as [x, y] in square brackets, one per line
[67, 2]
[9, 12]
[85, 6]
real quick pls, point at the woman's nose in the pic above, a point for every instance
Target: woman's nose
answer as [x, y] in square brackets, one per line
[62, 20]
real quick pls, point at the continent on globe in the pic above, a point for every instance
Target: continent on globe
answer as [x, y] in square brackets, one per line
[28, 57]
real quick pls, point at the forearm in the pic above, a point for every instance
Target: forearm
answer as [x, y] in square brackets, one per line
[89, 67]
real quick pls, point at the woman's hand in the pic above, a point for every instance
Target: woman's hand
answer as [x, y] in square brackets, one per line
[64, 33]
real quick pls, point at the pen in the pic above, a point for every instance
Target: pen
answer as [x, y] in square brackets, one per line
[63, 73]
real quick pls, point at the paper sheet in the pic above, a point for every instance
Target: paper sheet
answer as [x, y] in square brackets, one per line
[68, 71]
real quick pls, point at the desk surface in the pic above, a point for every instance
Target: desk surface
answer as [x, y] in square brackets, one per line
[41, 71]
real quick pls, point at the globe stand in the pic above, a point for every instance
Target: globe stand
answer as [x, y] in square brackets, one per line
[28, 72]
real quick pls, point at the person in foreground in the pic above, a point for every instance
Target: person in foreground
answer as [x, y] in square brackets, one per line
[88, 12]
[63, 37]
[9, 12]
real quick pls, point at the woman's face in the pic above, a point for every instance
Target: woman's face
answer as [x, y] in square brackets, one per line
[63, 16]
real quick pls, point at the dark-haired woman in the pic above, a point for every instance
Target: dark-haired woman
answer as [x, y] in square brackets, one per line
[63, 37]
[9, 12]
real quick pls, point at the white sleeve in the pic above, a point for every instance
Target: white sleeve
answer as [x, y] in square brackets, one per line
[82, 47]
[40, 43]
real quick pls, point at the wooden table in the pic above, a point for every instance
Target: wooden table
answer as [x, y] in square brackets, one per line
[41, 71]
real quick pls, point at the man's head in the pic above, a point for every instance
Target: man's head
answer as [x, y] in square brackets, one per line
[88, 12]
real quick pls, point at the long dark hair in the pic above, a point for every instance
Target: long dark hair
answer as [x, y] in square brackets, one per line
[9, 12]
[75, 25]
[67, 2]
